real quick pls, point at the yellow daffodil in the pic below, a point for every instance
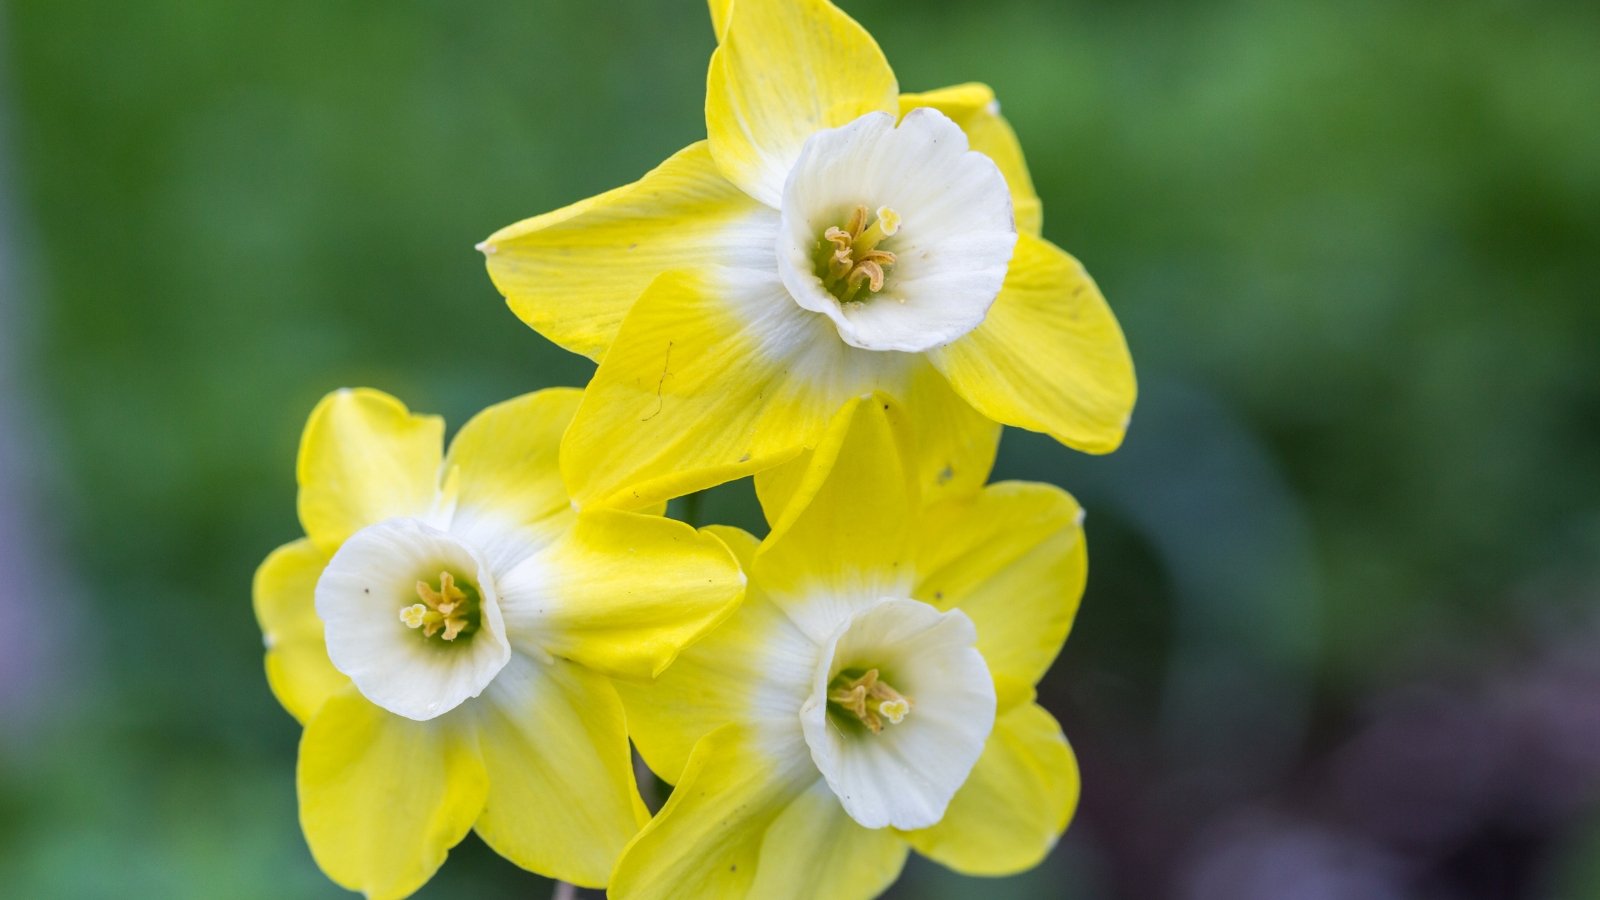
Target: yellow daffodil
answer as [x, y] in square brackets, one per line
[829, 238]
[445, 631]
[874, 691]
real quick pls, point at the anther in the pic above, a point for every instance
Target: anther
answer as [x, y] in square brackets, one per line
[870, 700]
[887, 223]
[446, 609]
[854, 259]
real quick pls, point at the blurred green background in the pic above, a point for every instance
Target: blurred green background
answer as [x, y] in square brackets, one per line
[1342, 632]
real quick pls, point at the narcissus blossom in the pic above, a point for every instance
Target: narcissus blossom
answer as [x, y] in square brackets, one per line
[873, 694]
[830, 237]
[446, 629]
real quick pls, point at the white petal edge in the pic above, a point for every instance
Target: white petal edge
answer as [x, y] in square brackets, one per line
[359, 597]
[905, 775]
[955, 239]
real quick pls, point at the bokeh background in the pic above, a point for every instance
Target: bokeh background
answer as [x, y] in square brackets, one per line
[1342, 631]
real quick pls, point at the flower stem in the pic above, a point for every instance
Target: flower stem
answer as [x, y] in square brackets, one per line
[691, 508]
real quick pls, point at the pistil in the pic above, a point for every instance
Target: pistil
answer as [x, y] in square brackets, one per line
[447, 609]
[854, 260]
[869, 699]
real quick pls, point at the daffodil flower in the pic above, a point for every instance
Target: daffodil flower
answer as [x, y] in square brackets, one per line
[874, 691]
[829, 238]
[445, 632]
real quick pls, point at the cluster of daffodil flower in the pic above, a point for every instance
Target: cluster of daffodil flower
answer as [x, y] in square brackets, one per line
[842, 292]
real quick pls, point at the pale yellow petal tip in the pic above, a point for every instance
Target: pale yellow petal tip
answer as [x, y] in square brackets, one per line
[993, 107]
[1078, 519]
[486, 248]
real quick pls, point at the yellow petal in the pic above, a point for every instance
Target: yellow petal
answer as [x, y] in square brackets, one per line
[775, 487]
[1049, 357]
[573, 273]
[847, 530]
[955, 446]
[1013, 559]
[365, 458]
[1011, 691]
[505, 460]
[562, 800]
[1015, 804]
[742, 544]
[383, 798]
[622, 593]
[755, 667]
[814, 849]
[720, 12]
[707, 839]
[974, 108]
[298, 669]
[714, 375]
[787, 69]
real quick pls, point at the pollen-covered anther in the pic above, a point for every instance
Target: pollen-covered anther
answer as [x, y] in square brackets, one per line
[446, 609]
[854, 260]
[869, 699]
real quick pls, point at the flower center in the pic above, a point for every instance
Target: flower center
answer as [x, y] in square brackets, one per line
[448, 611]
[870, 699]
[848, 256]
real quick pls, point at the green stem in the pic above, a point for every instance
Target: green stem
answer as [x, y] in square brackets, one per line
[691, 508]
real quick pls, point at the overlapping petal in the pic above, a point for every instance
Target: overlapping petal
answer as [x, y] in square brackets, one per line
[298, 669]
[364, 458]
[505, 461]
[621, 593]
[384, 798]
[707, 841]
[721, 10]
[955, 446]
[572, 274]
[845, 538]
[785, 70]
[561, 797]
[814, 849]
[1014, 805]
[714, 375]
[1049, 357]
[1013, 558]
[975, 109]
[755, 668]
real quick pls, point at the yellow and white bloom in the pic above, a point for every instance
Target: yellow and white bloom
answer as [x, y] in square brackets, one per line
[874, 691]
[445, 631]
[831, 237]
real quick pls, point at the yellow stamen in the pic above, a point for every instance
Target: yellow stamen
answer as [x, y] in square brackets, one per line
[447, 609]
[414, 615]
[869, 699]
[894, 710]
[887, 223]
[854, 259]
